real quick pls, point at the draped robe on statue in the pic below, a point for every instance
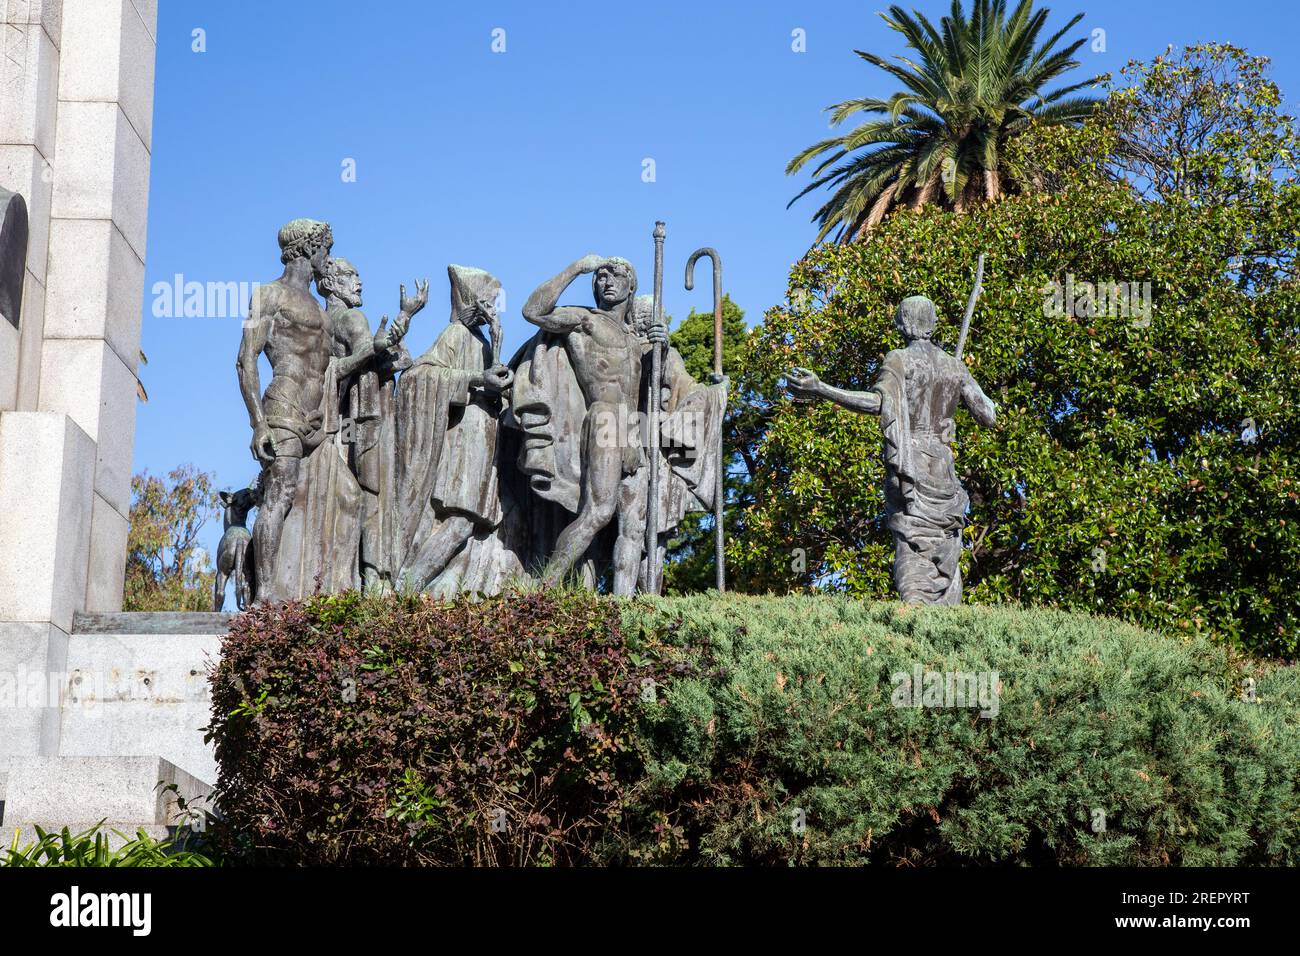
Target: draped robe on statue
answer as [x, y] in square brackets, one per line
[444, 434]
[322, 531]
[369, 396]
[925, 504]
[548, 410]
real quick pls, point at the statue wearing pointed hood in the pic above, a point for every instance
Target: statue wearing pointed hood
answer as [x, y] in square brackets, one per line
[444, 501]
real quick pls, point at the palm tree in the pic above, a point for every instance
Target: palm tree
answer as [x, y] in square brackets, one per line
[978, 83]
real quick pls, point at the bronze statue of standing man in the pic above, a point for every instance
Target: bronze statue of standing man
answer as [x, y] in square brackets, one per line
[916, 395]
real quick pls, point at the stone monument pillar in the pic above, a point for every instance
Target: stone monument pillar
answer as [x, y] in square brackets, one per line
[76, 107]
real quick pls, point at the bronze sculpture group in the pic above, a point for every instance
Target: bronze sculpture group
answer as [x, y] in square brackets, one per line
[575, 460]
[455, 471]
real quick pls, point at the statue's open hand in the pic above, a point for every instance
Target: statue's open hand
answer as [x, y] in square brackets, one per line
[263, 444]
[802, 384]
[418, 301]
[498, 378]
[590, 263]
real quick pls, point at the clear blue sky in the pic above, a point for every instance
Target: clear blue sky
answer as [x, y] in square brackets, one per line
[516, 162]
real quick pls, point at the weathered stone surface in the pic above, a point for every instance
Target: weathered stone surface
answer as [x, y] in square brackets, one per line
[102, 169]
[108, 56]
[95, 286]
[29, 72]
[47, 468]
[86, 379]
[106, 574]
[125, 790]
[140, 693]
[30, 340]
[10, 349]
[33, 662]
[48, 14]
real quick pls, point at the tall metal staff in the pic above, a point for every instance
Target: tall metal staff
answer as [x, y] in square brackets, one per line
[652, 568]
[719, 492]
[970, 306]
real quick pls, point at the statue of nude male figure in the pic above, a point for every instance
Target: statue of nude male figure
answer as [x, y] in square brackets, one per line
[605, 353]
[287, 323]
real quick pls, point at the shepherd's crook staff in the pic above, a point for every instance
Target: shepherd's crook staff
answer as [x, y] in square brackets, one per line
[719, 492]
[652, 568]
[970, 306]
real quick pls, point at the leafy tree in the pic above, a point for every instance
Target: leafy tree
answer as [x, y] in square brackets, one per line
[166, 570]
[979, 82]
[1145, 464]
[1201, 125]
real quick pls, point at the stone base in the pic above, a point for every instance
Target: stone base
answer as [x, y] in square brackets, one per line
[125, 792]
[138, 684]
[73, 725]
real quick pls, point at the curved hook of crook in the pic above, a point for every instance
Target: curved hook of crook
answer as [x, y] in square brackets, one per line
[717, 301]
[695, 256]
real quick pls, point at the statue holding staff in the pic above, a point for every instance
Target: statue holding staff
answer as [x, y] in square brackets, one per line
[604, 353]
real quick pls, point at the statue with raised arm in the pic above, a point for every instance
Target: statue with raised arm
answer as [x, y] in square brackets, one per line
[916, 394]
[599, 349]
[367, 397]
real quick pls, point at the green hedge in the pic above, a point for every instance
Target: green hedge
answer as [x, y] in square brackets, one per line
[1094, 715]
[561, 728]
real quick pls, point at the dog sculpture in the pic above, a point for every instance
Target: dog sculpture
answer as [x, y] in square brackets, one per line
[234, 554]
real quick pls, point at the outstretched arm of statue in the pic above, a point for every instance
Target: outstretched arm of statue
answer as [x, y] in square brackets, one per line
[980, 405]
[360, 343]
[257, 329]
[540, 309]
[805, 386]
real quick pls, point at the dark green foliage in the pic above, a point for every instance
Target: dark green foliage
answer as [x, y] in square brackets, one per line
[793, 712]
[689, 731]
[405, 731]
[94, 847]
[1124, 474]
[970, 86]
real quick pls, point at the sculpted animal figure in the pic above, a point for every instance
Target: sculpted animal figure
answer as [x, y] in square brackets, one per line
[234, 559]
